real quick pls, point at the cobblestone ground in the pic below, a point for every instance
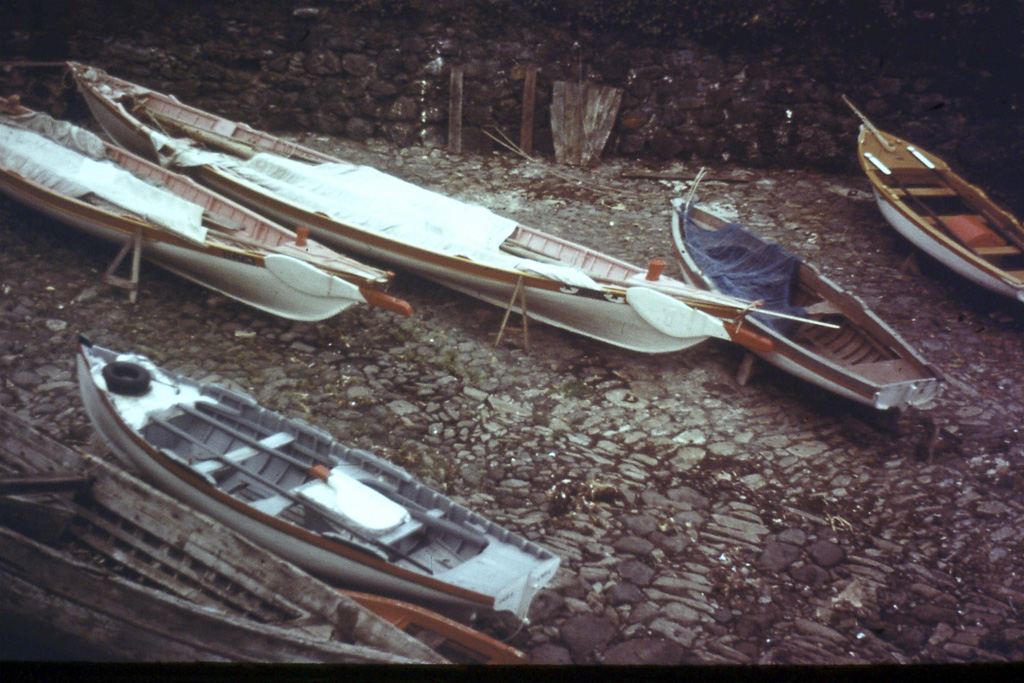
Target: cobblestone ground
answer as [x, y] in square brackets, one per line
[700, 521]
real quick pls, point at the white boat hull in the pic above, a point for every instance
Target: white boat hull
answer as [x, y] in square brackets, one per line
[602, 315]
[609, 320]
[248, 282]
[962, 264]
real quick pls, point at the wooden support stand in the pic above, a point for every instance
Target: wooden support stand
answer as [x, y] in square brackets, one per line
[520, 291]
[746, 369]
[134, 244]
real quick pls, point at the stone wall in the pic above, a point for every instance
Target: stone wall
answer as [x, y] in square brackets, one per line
[284, 66]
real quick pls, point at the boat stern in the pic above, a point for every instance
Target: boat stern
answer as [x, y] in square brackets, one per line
[906, 394]
[518, 595]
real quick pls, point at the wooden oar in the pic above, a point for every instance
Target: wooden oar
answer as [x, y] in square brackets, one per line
[870, 126]
[210, 138]
[326, 513]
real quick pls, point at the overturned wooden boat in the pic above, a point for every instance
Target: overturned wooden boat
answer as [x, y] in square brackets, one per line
[832, 340]
[94, 555]
[72, 176]
[341, 513]
[942, 214]
[461, 246]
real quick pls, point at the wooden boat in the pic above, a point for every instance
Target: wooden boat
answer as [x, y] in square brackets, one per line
[72, 176]
[941, 213]
[338, 512]
[93, 554]
[454, 641]
[854, 354]
[461, 246]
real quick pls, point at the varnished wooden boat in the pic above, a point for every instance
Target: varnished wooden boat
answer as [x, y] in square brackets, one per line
[942, 214]
[454, 641]
[461, 246]
[92, 554]
[854, 354]
[72, 176]
[339, 512]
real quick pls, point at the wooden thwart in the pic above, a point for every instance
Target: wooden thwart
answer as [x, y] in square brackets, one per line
[927, 191]
[1005, 250]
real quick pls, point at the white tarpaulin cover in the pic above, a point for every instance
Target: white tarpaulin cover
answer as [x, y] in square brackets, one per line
[58, 157]
[370, 200]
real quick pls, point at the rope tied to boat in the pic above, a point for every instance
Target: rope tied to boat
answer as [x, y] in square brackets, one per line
[749, 308]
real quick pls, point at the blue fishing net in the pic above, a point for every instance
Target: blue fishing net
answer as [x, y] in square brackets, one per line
[744, 266]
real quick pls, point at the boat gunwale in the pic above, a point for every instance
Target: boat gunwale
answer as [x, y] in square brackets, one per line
[124, 223]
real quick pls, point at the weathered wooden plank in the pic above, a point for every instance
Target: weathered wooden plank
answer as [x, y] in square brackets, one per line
[36, 453]
[582, 115]
[567, 121]
[599, 117]
[252, 567]
[175, 575]
[43, 520]
[165, 626]
[41, 483]
[198, 537]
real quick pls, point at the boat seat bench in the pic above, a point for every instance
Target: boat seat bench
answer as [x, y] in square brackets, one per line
[893, 370]
[1006, 250]
[209, 467]
[823, 308]
[925, 192]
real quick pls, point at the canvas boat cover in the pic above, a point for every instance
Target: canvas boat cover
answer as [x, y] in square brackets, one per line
[742, 265]
[70, 161]
[376, 202]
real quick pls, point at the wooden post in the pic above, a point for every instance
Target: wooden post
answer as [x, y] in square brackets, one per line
[134, 244]
[455, 112]
[529, 104]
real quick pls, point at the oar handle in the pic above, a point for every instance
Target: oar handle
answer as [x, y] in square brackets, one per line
[379, 299]
[749, 339]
